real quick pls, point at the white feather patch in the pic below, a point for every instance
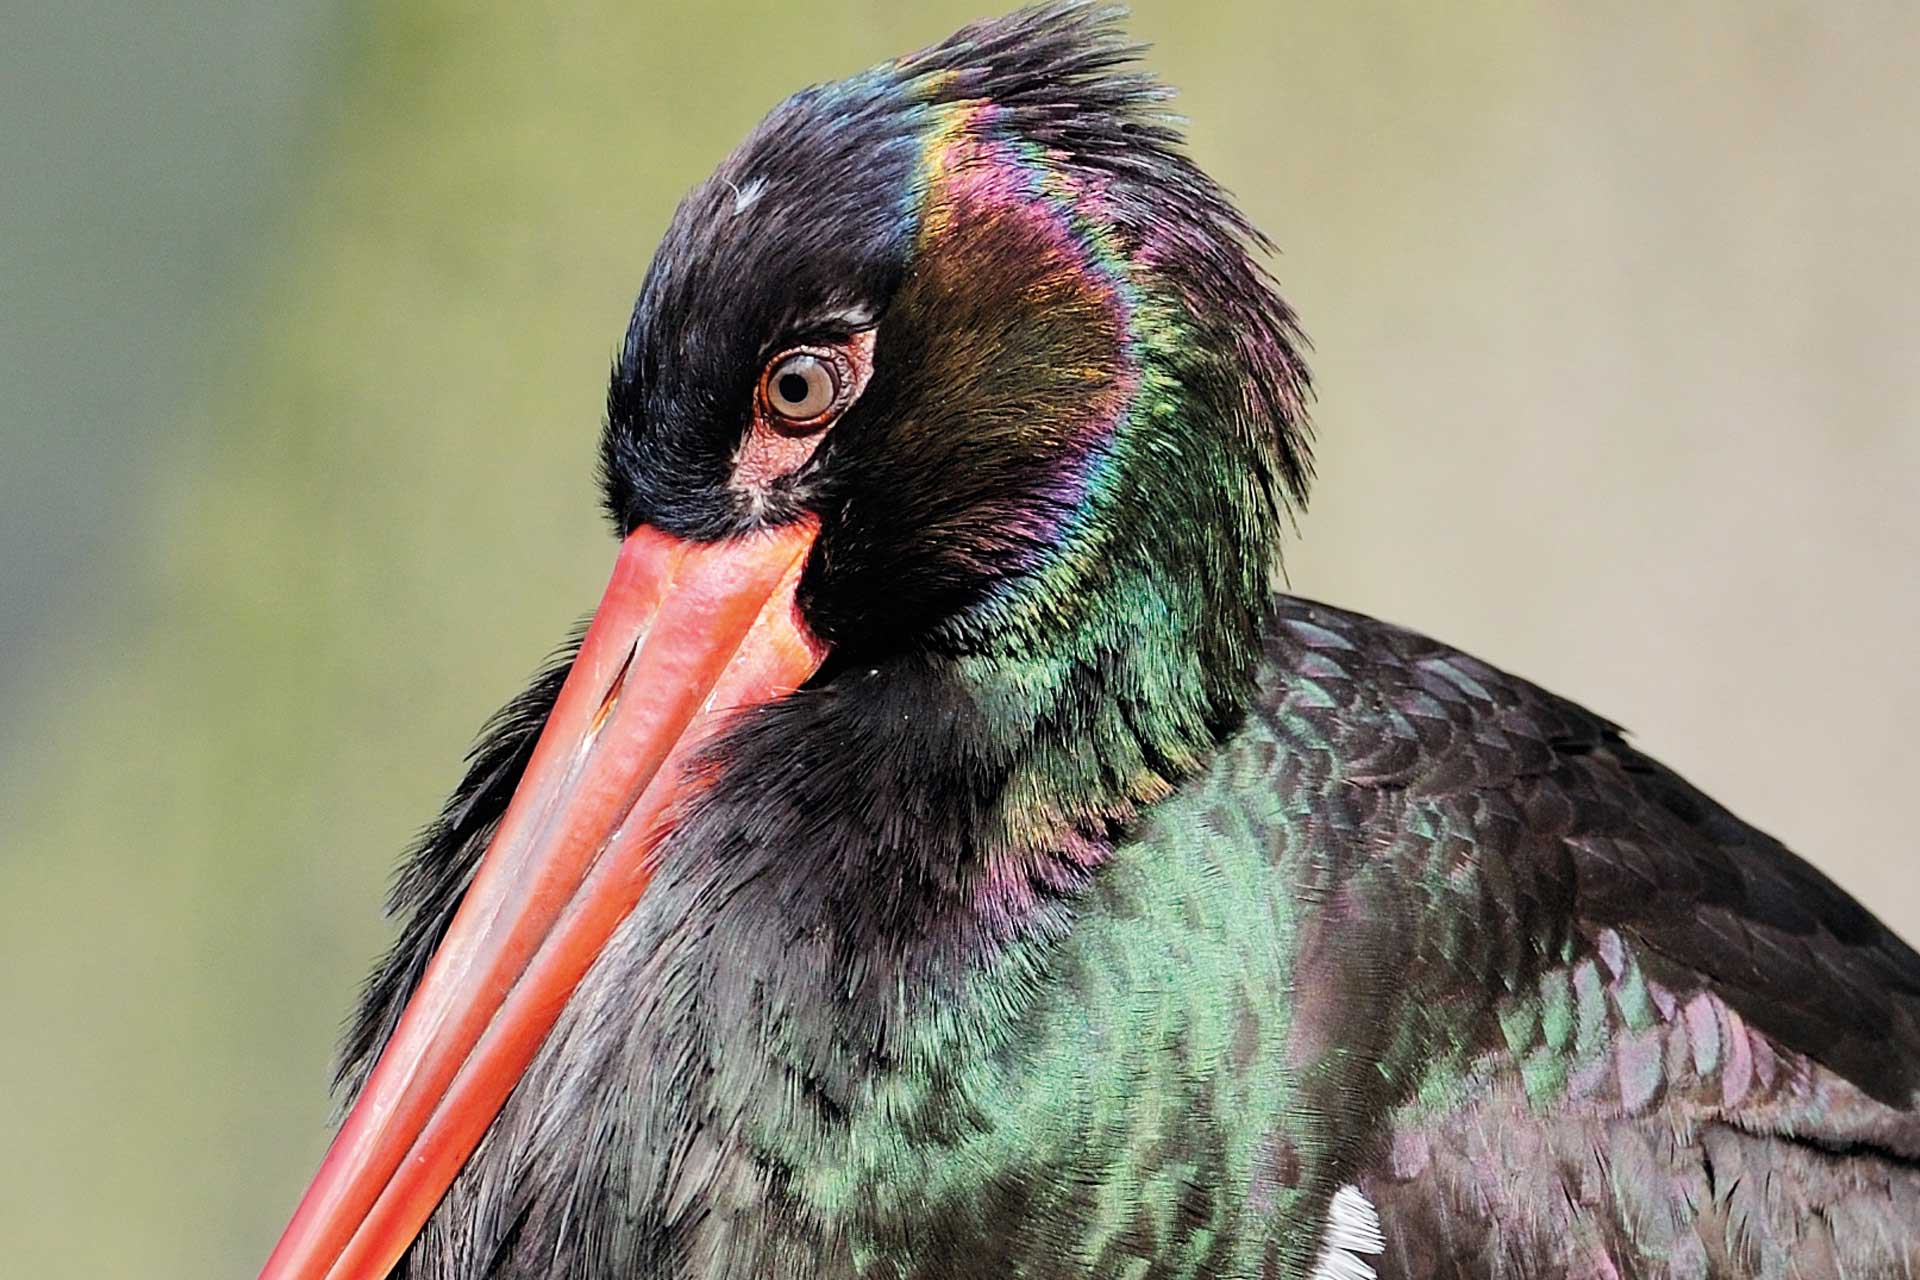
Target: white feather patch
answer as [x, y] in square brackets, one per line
[745, 193]
[1353, 1234]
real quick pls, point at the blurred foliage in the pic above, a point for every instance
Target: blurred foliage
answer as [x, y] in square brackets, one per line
[377, 514]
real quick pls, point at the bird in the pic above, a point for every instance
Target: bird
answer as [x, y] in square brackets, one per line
[951, 852]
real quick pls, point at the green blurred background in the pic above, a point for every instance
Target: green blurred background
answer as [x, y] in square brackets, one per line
[307, 310]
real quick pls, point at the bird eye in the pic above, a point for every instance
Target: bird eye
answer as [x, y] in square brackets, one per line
[802, 391]
[805, 387]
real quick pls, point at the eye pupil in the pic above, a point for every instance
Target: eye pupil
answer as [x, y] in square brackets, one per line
[793, 388]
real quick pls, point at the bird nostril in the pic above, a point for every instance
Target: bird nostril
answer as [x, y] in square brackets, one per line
[611, 698]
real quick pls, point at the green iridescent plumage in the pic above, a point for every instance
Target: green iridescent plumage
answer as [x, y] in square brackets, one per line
[1315, 966]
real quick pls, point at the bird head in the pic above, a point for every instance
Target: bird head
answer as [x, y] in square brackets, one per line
[976, 313]
[958, 366]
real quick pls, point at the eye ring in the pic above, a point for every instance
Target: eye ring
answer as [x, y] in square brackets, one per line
[804, 388]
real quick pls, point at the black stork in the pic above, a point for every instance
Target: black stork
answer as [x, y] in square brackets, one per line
[946, 857]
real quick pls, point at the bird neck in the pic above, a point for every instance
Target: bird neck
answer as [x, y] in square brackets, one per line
[983, 788]
[1115, 671]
